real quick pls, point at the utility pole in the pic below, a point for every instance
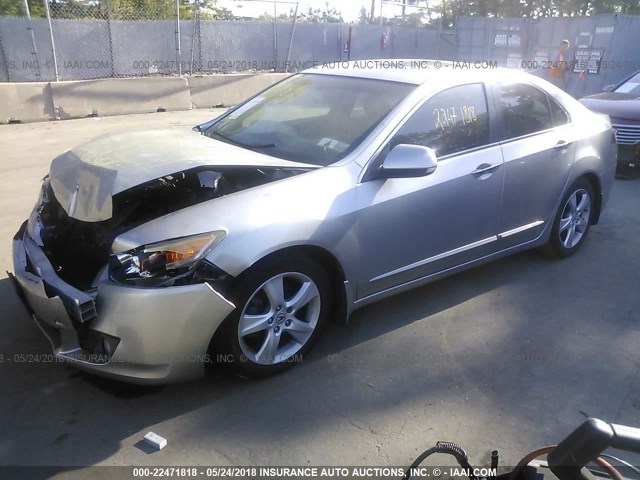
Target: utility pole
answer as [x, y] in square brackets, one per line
[373, 9]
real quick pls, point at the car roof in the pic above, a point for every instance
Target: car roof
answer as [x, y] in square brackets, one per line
[415, 70]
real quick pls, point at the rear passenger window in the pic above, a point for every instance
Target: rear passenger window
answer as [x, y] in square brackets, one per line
[451, 121]
[524, 109]
[558, 115]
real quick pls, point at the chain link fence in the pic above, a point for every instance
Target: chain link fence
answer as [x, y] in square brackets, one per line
[49, 40]
[76, 40]
[110, 38]
[603, 48]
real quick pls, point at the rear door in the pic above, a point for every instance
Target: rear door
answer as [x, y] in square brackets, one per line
[538, 147]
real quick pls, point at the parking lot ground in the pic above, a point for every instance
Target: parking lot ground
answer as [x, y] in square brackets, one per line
[511, 355]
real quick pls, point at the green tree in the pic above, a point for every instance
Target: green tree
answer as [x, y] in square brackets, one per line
[321, 15]
[444, 11]
[210, 10]
[364, 17]
[119, 9]
[14, 8]
[406, 14]
[147, 9]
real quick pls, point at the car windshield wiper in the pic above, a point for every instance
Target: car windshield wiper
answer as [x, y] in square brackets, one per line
[241, 144]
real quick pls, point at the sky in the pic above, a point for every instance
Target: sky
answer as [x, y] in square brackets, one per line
[350, 8]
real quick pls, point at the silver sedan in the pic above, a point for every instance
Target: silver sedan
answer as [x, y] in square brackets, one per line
[151, 254]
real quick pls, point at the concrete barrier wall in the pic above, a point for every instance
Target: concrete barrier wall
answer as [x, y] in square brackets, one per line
[41, 101]
[118, 96]
[26, 102]
[226, 90]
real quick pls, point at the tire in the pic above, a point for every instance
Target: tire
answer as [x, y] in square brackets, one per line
[282, 306]
[572, 221]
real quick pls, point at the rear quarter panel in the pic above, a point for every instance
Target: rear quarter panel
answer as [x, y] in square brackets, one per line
[596, 152]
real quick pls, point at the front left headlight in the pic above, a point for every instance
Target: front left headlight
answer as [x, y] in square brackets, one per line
[164, 262]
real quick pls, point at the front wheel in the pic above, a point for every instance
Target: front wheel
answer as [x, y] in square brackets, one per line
[573, 220]
[280, 309]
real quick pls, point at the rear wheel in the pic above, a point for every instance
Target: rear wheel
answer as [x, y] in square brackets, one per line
[573, 220]
[280, 309]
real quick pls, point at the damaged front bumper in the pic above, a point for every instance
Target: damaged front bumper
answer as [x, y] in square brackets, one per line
[139, 335]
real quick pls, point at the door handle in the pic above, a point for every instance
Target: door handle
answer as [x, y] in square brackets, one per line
[561, 145]
[484, 168]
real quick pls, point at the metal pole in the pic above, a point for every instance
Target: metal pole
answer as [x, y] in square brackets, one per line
[340, 41]
[34, 49]
[196, 6]
[53, 44]
[4, 56]
[381, 32]
[440, 32]
[110, 36]
[275, 34]
[293, 28]
[178, 37]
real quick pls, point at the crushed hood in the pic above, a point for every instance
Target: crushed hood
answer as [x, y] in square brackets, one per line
[85, 178]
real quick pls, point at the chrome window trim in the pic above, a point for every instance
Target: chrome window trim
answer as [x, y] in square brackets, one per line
[470, 150]
[529, 135]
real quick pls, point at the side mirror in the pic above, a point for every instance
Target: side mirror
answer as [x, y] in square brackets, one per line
[405, 161]
[608, 88]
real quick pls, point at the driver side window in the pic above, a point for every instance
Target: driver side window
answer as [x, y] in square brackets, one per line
[451, 121]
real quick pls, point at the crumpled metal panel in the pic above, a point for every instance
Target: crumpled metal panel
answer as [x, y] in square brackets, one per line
[85, 178]
[83, 190]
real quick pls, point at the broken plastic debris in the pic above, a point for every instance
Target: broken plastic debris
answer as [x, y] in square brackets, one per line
[155, 440]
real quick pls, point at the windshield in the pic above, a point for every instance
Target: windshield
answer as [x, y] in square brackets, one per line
[631, 86]
[309, 118]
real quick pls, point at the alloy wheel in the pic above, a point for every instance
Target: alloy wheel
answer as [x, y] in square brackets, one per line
[279, 318]
[575, 218]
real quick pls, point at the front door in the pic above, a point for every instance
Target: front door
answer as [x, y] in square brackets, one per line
[409, 228]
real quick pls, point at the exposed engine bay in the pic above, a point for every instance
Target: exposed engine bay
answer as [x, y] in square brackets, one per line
[78, 249]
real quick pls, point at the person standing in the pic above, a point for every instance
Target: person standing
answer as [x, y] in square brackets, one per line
[559, 64]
